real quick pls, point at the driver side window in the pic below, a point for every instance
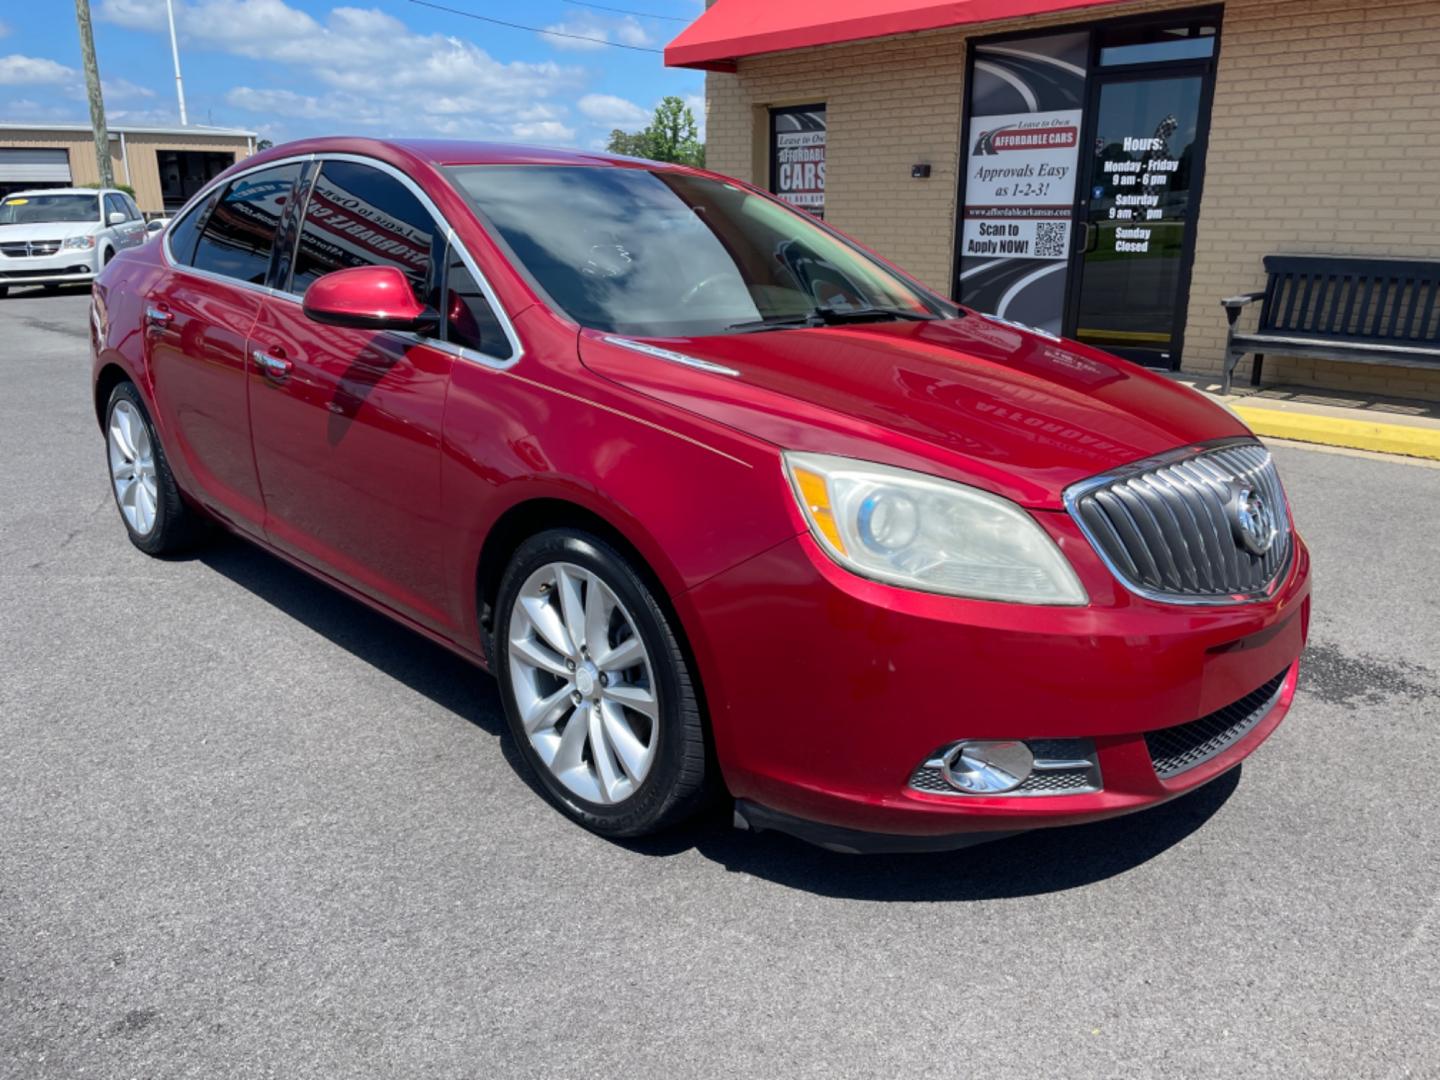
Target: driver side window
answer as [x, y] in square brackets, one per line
[360, 216]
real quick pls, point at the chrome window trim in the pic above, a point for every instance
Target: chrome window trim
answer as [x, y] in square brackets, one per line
[671, 355]
[452, 242]
[1077, 491]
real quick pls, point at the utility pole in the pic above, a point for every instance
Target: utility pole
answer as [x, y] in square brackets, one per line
[175, 53]
[92, 86]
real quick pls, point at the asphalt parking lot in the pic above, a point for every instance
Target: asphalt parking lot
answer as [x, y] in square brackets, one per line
[250, 829]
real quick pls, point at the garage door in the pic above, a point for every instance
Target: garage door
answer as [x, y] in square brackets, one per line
[34, 165]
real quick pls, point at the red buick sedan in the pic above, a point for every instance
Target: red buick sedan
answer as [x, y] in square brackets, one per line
[724, 501]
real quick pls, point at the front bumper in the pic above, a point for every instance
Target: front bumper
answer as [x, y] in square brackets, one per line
[827, 691]
[60, 268]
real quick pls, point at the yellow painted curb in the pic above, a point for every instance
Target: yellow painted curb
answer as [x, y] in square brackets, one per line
[1333, 431]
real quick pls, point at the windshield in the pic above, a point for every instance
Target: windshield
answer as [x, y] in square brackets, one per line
[668, 254]
[34, 209]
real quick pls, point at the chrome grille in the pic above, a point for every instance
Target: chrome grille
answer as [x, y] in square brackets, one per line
[21, 249]
[1168, 527]
[1178, 749]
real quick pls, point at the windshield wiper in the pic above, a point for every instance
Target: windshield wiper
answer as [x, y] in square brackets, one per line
[828, 316]
[836, 316]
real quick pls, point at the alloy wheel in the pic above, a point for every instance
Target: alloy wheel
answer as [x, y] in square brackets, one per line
[132, 467]
[583, 683]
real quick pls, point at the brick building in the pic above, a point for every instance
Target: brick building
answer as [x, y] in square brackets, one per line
[1108, 170]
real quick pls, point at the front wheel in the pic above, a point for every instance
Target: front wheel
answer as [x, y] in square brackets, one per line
[597, 691]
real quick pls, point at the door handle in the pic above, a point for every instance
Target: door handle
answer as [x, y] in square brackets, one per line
[274, 367]
[1090, 236]
[158, 317]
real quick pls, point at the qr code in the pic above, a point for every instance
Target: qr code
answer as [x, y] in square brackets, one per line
[1050, 239]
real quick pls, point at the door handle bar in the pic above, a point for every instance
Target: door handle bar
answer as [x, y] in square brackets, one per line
[274, 367]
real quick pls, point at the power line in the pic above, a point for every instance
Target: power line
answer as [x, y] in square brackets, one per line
[535, 29]
[626, 11]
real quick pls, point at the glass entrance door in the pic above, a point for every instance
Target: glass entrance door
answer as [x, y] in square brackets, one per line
[1138, 214]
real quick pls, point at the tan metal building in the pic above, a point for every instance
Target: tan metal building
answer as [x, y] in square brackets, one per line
[165, 166]
[1106, 169]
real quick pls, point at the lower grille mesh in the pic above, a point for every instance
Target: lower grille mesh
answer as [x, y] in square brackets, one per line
[1178, 749]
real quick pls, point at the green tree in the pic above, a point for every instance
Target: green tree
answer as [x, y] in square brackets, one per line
[672, 135]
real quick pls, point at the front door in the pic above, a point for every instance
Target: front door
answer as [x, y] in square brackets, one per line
[1138, 212]
[347, 423]
[1085, 151]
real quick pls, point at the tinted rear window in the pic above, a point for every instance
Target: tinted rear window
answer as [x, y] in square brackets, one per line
[240, 232]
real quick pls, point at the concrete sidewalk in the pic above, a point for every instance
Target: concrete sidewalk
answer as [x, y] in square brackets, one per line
[1331, 417]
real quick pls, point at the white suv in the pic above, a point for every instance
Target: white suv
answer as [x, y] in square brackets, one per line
[64, 234]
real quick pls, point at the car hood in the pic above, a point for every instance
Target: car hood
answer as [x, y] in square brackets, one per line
[47, 230]
[979, 400]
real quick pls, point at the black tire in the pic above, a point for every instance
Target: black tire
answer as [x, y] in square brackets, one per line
[4, 291]
[178, 526]
[677, 784]
[109, 254]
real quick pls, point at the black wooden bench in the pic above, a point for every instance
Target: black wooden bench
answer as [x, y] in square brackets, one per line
[1376, 311]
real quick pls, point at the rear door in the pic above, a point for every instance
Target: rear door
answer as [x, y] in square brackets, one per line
[347, 436]
[198, 319]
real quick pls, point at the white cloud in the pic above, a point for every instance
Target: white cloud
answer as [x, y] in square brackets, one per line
[590, 32]
[547, 131]
[697, 107]
[378, 74]
[18, 70]
[4, 29]
[613, 111]
[124, 90]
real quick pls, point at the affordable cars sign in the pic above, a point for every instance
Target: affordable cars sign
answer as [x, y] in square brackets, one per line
[797, 165]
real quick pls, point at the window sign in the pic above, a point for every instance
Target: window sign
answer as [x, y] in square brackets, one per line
[797, 157]
[1023, 160]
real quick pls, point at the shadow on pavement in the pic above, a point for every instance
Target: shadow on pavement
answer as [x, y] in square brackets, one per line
[1045, 861]
[423, 666]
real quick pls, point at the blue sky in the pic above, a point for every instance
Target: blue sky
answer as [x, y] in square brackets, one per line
[289, 68]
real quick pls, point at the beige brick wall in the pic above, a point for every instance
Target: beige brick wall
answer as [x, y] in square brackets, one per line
[1325, 137]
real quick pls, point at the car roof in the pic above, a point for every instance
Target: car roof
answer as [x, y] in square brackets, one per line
[463, 152]
[66, 191]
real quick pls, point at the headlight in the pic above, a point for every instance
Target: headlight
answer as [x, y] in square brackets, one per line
[930, 534]
[78, 243]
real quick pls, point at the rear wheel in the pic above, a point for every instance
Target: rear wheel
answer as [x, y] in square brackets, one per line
[155, 516]
[597, 691]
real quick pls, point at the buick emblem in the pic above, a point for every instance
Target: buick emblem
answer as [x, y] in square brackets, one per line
[1253, 520]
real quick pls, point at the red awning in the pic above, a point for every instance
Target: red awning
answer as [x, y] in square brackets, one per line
[732, 29]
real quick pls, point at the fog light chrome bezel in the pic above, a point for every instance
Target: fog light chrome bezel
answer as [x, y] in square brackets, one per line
[987, 766]
[944, 772]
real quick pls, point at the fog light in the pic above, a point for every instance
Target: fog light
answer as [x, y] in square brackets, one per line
[988, 768]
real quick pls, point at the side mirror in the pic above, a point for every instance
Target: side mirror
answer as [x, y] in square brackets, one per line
[115, 217]
[367, 298]
[154, 226]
